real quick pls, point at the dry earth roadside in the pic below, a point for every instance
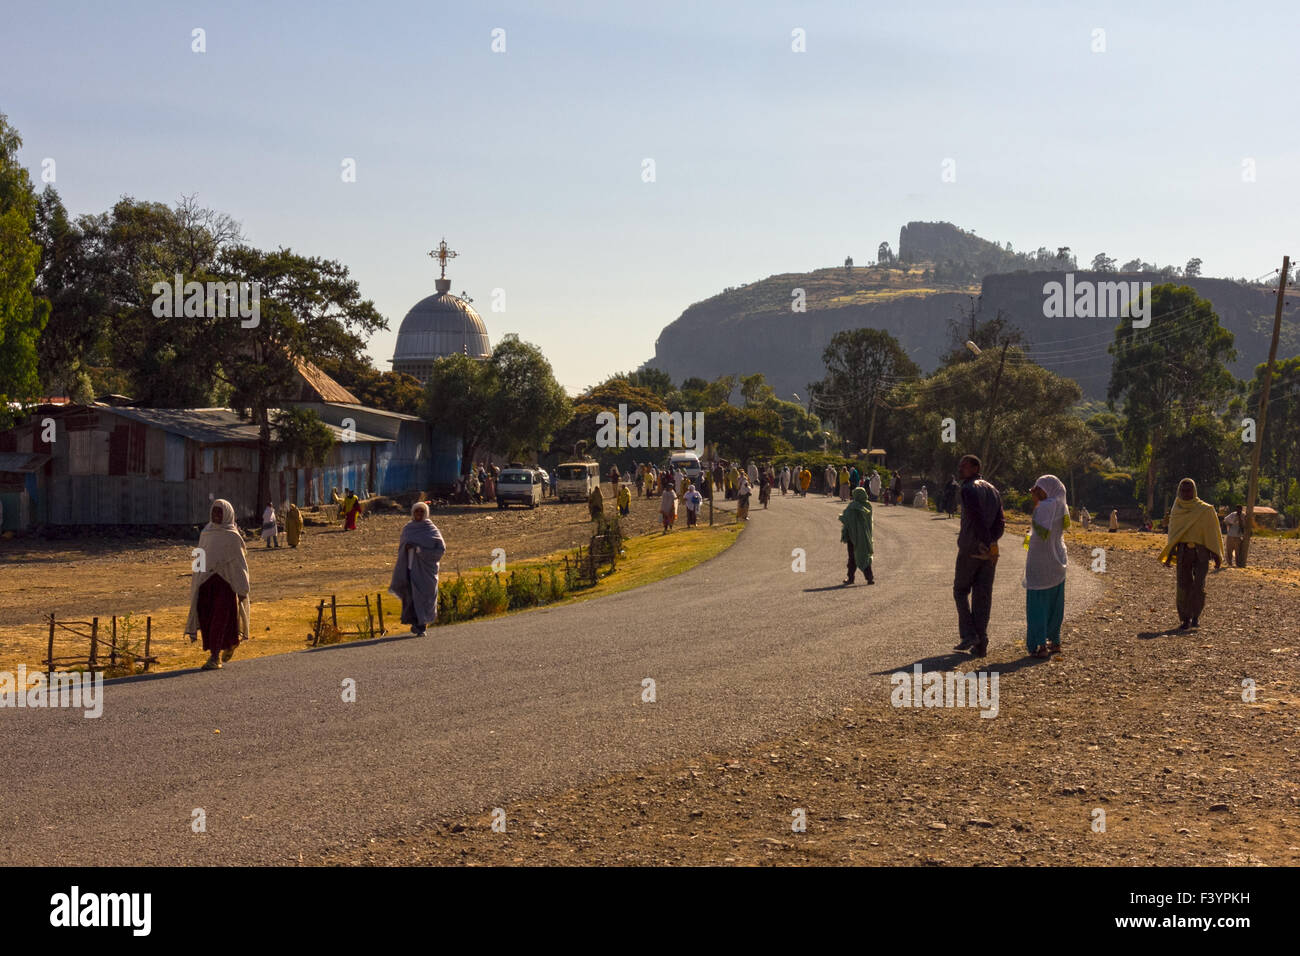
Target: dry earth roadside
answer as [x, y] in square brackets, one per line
[1146, 725]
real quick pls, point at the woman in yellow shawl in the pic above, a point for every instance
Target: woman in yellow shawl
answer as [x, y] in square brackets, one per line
[293, 525]
[1193, 540]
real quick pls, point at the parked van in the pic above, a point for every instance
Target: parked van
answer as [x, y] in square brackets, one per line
[577, 480]
[688, 462]
[519, 486]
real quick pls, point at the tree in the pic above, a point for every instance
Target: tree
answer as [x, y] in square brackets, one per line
[1103, 263]
[884, 255]
[862, 365]
[1167, 374]
[745, 434]
[528, 404]
[605, 397]
[1193, 269]
[1280, 452]
[458, 400]
[755, 390]
[309, 308]
[22, 315]
[302, 436]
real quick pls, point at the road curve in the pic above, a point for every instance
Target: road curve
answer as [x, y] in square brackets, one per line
[481, 714]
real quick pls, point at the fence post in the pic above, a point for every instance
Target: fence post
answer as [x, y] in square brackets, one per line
[112, 645]
[370, 621]
[148, 637]
[334, 611]
[379, 606]
[49, 670]
[94, 642]
[320, 614]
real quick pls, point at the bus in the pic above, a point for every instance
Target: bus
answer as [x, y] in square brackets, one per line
[576, 480]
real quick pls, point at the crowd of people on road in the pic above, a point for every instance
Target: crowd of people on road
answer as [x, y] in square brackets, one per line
[219, 594]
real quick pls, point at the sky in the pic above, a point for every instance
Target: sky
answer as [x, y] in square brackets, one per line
[1170, 134]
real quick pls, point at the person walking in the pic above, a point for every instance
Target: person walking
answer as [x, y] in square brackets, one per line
[843, 485]
[624, 499]
[292, 525]
[668, 506]
[1193, 540]
[805, 481]
[693, 498]
[1114, 520]
[830, 480]
[785, 479]
[415, 575]
[897, 489]
[764, 490]
[1044, 580]
[951, 495]
[1235, 524]
[856, 533]
[873, 486]
[743, 491]
[270, 526]
[982, 523]
[219, 589]
[1085, 519]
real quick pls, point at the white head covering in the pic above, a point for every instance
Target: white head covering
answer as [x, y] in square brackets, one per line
[1052, 510]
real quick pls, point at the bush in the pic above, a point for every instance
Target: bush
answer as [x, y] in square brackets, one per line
[491, 596]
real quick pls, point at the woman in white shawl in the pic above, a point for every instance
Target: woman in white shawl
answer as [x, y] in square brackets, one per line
[219, 588]
[1044, 580]
[415, 575]
[668, 507]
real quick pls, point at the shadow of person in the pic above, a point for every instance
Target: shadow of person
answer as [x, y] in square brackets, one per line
[941, 662]
[832, 587]
[1150, 635]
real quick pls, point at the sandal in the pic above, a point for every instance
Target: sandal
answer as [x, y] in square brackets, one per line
[228, 653]
[1053, 648]
[1041, 653]
[211, 664]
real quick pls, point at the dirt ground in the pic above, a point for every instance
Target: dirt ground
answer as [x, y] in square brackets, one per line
[103, 575]
[1135, 725]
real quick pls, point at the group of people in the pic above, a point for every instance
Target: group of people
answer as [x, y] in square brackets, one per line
[219, 589]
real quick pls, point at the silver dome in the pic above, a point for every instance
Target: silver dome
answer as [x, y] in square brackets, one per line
[438, 325]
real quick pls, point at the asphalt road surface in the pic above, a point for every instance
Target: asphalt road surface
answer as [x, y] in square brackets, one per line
[478, 715]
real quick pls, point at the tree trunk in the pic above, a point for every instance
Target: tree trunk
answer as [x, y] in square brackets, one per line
[263, 463]
[1151, 483]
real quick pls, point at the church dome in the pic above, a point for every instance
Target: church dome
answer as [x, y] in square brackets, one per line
[439, 325]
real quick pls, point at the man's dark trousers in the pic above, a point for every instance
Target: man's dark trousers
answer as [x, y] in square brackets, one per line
[972, 586]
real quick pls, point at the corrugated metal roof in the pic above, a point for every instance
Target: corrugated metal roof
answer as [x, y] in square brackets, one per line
[324, 386]
[208, 425]
[377, 411]
[25, 461]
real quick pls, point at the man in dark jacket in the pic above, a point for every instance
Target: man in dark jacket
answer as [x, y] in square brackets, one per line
[982, 524]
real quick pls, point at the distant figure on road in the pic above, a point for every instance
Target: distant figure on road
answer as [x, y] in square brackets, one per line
[743, 491]
[219, 589]
[624, 500]
[1044, 580]
[856, 533]
[1114, 521]
[596, 503]
[270, 527]
[830, 480]
[415, 575]
[805, 481]
[922, 498]
[1193, 540]
[785, 479]
[1085, 519]
[873, 486]
[982, 523]
[764, 490]
[951, 495]
[843, 485]
[292, 525]
[1235, 524]
[897, 489]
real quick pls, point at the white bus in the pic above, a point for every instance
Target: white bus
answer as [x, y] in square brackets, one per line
[576, 480]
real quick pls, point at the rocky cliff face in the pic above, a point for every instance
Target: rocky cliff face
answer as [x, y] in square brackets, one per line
[745, 331]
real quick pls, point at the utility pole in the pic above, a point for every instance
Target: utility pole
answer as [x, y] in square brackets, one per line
[871, 428]
[1252, 490]
[988, 429]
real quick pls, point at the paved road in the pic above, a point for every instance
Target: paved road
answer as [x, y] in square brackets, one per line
[480, 714]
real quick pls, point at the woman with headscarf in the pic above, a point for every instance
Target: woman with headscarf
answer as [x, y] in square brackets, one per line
[1114, 521]
[805, 481]
[625, 499]
[856, 533]
[219, 588]
[350, 510]
[292, 525]
[843, 483]
[1044, 579]
[764, 490]
[743, 491]
[1193, 540]
[595, 503]
[415, 575]
[668, 506]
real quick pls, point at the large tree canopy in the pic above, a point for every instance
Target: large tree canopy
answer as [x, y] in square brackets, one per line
[22, 315]
[862, 366]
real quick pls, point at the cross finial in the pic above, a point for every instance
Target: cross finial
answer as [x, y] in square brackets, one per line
[442, 254]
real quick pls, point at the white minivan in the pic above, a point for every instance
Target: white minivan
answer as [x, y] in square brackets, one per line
[688, 462]
[576, 480]
[519, 486]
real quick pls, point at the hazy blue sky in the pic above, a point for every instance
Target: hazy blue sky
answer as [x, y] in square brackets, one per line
[767, 160]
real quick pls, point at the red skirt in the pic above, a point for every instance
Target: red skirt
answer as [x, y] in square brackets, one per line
[218, 614]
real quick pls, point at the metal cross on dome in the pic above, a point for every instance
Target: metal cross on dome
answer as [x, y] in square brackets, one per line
[442, 254]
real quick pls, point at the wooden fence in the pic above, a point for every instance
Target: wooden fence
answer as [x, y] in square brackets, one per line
[89, 631]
